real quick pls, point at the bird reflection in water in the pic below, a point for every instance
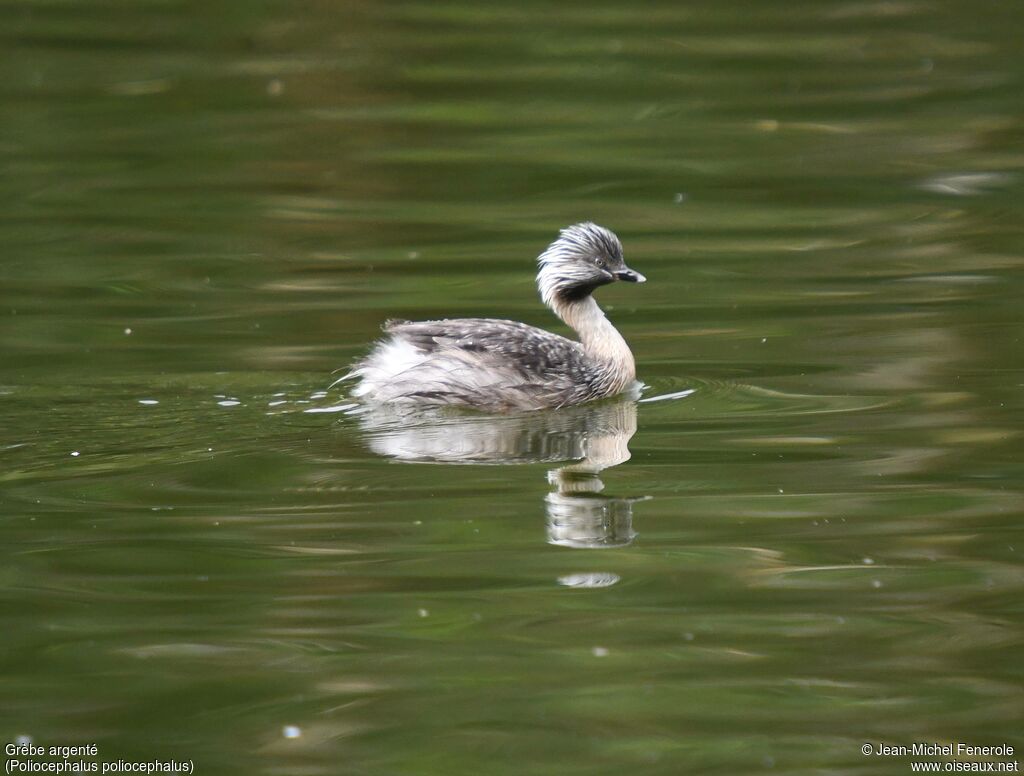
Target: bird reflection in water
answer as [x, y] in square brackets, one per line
[596, 436]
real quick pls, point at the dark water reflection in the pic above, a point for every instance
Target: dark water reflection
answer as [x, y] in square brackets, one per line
[209, 208]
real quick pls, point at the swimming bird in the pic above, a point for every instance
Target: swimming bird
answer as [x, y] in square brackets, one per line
[502, 366]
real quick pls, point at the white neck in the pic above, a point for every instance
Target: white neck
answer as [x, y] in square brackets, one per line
[601, 341]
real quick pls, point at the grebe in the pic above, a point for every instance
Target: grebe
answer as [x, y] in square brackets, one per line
[500, 366]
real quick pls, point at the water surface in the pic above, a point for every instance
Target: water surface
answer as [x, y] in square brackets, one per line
[211, 208]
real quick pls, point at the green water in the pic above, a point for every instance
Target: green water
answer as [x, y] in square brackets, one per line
[209, 208]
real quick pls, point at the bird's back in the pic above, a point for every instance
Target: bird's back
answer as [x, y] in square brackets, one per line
[477, 362]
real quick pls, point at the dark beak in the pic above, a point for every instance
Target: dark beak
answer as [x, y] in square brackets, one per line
[630, 276]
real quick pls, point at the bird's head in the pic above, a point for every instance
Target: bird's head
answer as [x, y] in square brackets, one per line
[584, 257]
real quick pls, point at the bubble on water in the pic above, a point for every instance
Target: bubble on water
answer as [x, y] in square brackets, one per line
[599, 651]
[291, 731]
[229, 403]
[669, 396]
[148, 401]
[335, 408]
[423, 612]
[966, 184]
[75, 453]
[589, 580]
